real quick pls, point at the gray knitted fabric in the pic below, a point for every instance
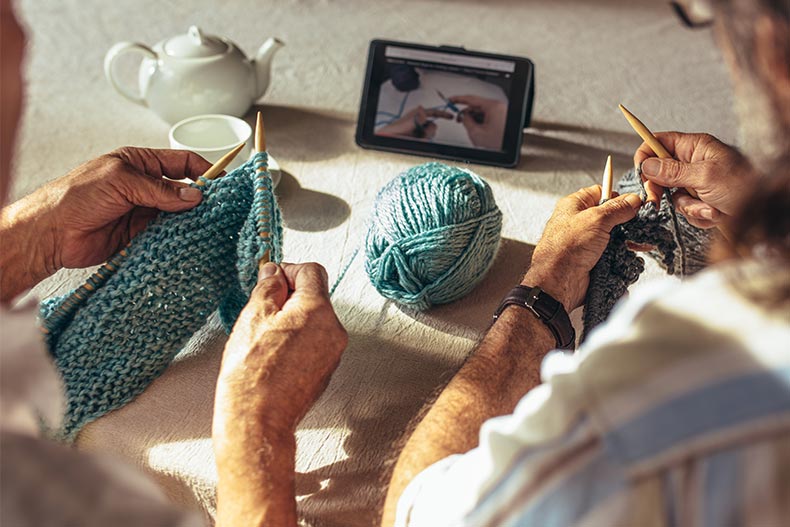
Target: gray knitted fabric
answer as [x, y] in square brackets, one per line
[681, 249]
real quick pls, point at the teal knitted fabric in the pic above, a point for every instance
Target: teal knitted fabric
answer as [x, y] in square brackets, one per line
[115, 335]
[433, 235]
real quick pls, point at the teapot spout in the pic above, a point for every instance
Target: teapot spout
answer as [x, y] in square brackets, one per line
[263, 63]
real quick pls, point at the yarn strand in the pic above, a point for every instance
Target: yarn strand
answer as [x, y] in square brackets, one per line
[343, 272]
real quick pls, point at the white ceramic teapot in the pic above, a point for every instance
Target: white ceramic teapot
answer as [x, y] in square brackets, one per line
[194, 74]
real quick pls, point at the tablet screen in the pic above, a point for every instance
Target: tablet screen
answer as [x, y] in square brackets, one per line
[444, 98]
[445, 101]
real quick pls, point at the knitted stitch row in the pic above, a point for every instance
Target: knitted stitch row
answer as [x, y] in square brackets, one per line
[681, 250]
[114, 335]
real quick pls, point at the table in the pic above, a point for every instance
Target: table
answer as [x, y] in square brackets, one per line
[589, 57]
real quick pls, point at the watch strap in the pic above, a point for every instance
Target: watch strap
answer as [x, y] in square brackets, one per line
[546, 308]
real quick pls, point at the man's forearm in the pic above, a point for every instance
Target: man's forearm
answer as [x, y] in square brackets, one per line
[25, 257]
[504, 367]
[256, 477]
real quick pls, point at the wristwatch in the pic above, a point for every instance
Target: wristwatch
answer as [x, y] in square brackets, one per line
[546, 308]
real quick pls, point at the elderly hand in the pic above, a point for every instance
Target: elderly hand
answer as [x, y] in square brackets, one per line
[282, 350]
[92, 212]
[719, 174]
[574, 240]
[99, 206]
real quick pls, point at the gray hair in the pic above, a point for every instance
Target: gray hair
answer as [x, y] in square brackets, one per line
[764, 115]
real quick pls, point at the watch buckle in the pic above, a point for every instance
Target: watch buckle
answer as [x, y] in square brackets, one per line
[531, 299]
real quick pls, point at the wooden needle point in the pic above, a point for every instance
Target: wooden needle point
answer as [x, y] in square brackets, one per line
[646, 135]
[606, 186]
[217, 168]
[260, 134]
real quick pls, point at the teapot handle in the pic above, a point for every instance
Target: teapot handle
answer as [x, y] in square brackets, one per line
[114, 53]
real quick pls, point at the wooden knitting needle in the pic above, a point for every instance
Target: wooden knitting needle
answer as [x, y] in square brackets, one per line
[606, 186]
[651, 140]
[260, 134]
[217, 168]
[260, 146]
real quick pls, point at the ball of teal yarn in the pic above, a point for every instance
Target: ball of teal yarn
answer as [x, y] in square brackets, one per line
[433, 235]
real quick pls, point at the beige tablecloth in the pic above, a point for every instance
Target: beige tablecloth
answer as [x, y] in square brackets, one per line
[589, 56]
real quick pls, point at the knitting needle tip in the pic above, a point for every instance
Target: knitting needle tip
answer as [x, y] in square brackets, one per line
[217, 168]
[645, 133]
[648, 137]
[260, 134]
[606, 186]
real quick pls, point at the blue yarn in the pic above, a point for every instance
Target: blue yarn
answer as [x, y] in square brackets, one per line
[115, 335]
[433, 235]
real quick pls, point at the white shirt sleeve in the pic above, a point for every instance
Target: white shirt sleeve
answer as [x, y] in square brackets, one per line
[545, 422]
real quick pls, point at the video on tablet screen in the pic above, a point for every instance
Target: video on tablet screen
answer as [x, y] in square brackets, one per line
[444, 98]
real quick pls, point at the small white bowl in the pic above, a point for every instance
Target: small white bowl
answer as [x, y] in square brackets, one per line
[214, 135]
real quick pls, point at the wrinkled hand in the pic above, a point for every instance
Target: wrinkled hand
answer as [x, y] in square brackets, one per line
[86, 216]
[101, 205]
[718, 173]
[484, 120]
[574, 240]
[415, 123]
[281, 352]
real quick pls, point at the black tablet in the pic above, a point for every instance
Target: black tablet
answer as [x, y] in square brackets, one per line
[445, 102]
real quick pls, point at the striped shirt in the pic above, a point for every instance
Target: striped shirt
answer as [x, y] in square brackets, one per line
[674, 412]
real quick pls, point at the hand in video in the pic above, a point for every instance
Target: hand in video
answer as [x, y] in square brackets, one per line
[484, 120]
[417, 123]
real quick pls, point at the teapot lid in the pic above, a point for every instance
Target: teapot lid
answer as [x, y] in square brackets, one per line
[194, 44]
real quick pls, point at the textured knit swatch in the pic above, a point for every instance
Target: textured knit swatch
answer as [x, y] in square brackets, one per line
[681, 250]
[179, 270]
[432, 236]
